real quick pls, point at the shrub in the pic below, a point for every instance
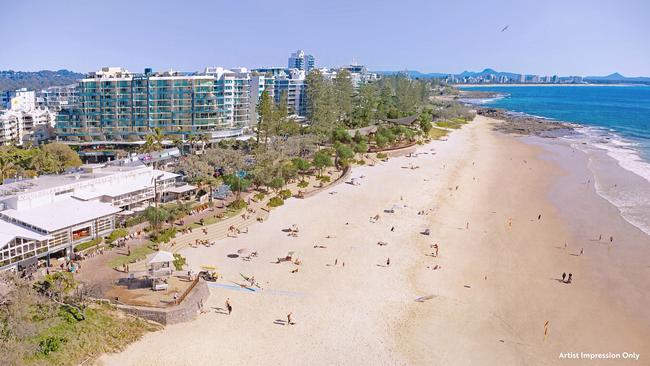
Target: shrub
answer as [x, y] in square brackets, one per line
[164, 236]
[303, 184]
[259, 196]
[88, 244]
[237, 204]
[285, 194]
[324, 178]
[70, 314]
[116, 234]
[381, 156]
[179, 261]
[50, 344]
[135, 220]
[276, 201]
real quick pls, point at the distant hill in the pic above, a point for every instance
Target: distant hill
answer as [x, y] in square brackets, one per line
[12, 80]
[617, 78]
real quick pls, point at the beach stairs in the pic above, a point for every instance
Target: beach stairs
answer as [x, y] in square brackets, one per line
[216, 231]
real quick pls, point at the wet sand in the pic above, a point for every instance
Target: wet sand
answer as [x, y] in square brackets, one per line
[487, 304]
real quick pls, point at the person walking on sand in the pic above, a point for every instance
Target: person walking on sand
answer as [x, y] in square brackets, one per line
[510, 223]
[336, 261]
[228, 306]
[600, 237]
[563, 276]
[289, 321]
[611, 239]
[539, 217]
[392, 228]
[387, 262]
[582, 251]
[467, 226]
[570, 278]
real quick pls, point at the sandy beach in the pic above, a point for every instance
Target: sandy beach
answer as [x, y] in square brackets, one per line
[497, 282]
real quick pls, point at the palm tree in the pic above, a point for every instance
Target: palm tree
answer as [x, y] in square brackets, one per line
[158, 137]
[7, 167]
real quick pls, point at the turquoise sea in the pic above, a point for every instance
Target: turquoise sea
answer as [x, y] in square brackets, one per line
[614, 120]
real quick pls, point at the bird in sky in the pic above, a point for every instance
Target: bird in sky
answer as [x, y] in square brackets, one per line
[504, 28]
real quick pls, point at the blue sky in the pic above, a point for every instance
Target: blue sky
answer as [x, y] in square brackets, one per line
[563, 37]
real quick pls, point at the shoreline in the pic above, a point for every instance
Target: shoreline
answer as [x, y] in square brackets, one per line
[365, 313]
[543, 84]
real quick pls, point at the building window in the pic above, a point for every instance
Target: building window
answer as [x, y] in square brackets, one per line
[80, 233]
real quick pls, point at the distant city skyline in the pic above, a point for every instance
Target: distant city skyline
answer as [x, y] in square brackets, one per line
[554, 37]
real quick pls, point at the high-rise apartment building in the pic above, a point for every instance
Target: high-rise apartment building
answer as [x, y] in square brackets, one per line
[301, 61]
[293, 86]
[115, 104]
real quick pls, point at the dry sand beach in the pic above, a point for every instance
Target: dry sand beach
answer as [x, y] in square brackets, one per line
[495, 287]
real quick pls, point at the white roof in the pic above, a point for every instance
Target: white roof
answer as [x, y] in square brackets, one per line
[9, 231]
[113, 191]
[162, 257]
[165, 175]
[62, 214]
[181, 189]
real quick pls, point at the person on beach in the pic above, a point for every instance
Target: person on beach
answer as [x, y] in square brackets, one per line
[611, 239]
[228, 306]
[510, 223]
[563, 276]
[539, 217]
[289, 321]
[600, 237]
[392, 228]
[336, 261]
[582, 251]
[570, 278]
[387, 262]
[467, 226]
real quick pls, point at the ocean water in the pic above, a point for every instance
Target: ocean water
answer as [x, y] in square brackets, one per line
[614, 120]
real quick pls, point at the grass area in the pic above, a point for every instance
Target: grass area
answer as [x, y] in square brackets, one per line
[213, 220]
[454, 123]
[136, 254]
[438, 133]
[88, 244]
[103, 330]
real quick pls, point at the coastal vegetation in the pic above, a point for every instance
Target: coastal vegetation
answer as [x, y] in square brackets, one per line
[29, 162]
[52, 322]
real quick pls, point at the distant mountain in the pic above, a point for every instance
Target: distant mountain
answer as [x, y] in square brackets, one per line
[617, 78]
[12, 80]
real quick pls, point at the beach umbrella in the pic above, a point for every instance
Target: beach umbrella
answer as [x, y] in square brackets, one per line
[242, 251]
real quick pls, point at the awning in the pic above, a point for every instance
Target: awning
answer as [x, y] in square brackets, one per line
[162, 257]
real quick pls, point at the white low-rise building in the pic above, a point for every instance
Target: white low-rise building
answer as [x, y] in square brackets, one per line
[51, 213]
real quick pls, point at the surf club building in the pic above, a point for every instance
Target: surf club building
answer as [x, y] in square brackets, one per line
[54, 213]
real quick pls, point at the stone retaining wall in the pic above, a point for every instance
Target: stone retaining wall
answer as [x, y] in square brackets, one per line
[346, 173]
[183, 312]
